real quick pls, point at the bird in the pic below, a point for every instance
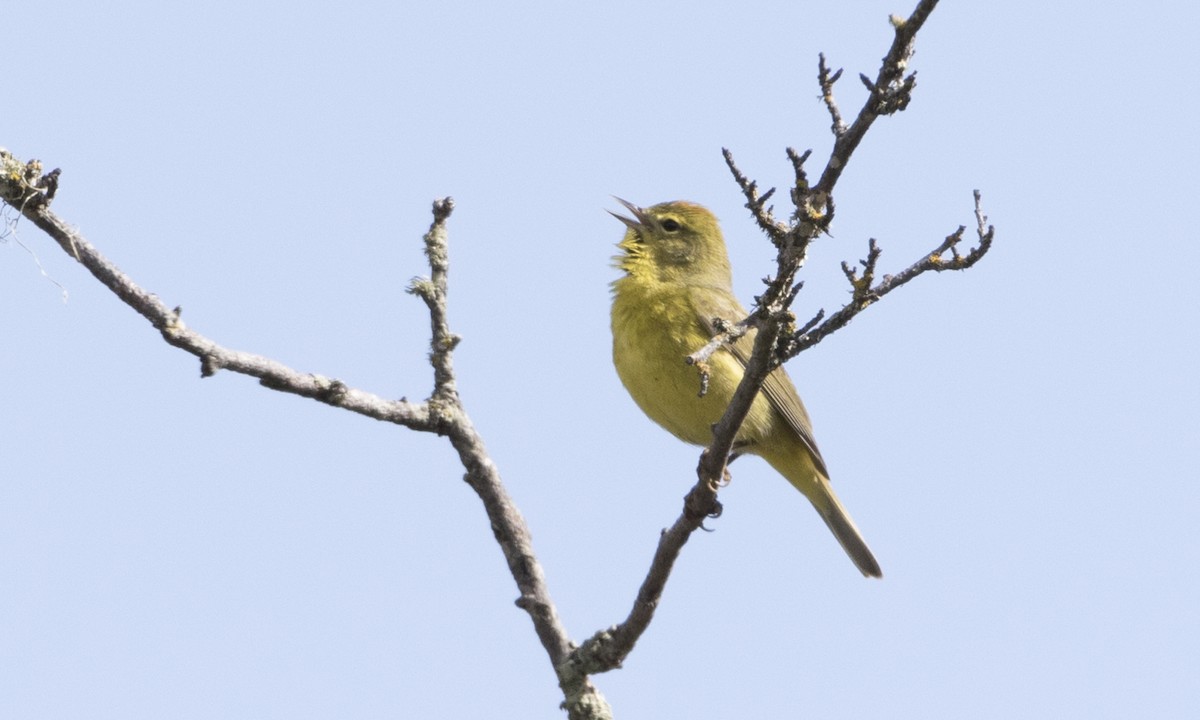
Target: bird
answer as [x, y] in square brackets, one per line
[676, 285]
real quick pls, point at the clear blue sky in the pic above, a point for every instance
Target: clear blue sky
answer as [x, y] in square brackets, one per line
[1018, 443]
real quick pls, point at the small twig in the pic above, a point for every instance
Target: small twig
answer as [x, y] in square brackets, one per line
[774, 229]
[864, 294]
[728, 334]
[862, 290]
[798, 160]
[793, 293]
[826, 80]
[433, 291]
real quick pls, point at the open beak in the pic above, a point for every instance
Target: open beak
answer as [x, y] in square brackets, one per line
[642, 221]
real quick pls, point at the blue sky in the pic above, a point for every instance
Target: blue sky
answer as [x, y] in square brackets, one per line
[1017, 442]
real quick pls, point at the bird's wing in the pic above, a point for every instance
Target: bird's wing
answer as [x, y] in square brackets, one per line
[778, 386]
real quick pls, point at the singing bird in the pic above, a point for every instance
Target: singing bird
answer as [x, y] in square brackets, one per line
[677, 280]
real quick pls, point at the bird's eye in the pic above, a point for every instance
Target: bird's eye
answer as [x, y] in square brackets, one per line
[670, 225]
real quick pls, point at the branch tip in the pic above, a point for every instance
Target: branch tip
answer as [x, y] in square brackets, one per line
[756, 203]
[826, 80]
[442, 207]
[23, 185]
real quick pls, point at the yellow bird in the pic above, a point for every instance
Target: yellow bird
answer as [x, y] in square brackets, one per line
[677, 280]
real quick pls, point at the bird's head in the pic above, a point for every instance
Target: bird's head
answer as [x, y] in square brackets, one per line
[675, 241]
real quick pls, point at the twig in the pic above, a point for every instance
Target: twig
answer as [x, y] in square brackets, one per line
[889, 93]
[774, 229]
[864, 293]
[826, 80]
[433, 291]
[728, 334]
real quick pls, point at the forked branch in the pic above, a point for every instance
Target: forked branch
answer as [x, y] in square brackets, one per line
[24, 188]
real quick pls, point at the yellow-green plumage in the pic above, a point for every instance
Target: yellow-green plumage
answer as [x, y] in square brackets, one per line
[677, 280]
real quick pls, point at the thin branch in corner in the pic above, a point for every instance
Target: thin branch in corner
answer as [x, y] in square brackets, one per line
[34, 196]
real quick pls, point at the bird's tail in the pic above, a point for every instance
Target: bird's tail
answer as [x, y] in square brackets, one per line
[797, 466]
[844, 529]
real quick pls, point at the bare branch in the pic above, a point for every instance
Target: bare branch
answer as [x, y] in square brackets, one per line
[728, 334]
[774, 229]
[826, 80]
[889, 93]
[23, 184]
[433, 291]
[607, 649]
[798, 160]
[443, 413]
[168, 322]
[864, 293]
